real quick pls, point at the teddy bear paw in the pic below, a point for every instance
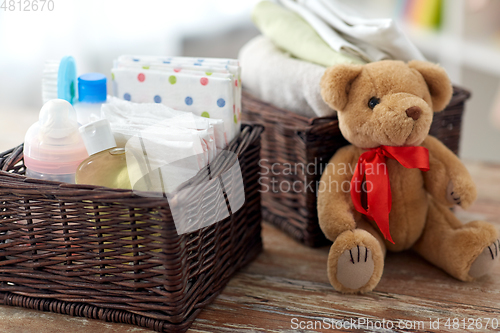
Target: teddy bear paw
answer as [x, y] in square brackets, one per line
[355, 262]
[355, 267]
[486, 260]
[452, 196]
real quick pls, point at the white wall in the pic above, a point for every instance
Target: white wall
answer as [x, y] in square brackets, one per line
[97, 31]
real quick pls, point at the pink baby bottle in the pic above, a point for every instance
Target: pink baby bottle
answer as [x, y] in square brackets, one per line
[53, 147]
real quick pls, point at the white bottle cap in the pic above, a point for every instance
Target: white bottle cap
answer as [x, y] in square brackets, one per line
[97, 136]
[53, 145]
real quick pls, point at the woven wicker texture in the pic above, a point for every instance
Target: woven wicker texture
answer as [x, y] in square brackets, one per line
[295, 150]
[109, 254]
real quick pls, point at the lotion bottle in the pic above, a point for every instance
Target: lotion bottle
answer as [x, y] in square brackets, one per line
[106, 164]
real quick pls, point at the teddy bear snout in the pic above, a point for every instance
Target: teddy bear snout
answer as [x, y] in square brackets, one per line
[414, 112]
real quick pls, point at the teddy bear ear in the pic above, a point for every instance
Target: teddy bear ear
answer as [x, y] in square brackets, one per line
[437, 81]
[336, 83]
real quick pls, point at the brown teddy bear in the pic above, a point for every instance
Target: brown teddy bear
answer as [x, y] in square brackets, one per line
[402, 180]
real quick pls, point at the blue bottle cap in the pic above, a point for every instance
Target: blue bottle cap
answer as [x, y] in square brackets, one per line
[92, 88]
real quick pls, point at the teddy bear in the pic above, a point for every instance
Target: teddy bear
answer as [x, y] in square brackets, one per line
[403, 181]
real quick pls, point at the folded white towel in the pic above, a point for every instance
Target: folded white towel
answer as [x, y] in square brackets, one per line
[378, 38]
[273, 76]
[339, 43]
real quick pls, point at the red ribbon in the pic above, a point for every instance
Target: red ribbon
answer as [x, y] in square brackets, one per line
[372, 168]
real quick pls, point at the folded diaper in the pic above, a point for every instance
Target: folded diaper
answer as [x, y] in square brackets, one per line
[164, 157]
[127, 118]
[209, 88]
[292, 33]
[158, 138]
[273, 76]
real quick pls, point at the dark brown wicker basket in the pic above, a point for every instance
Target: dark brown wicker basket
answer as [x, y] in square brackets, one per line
[109, 254]
[289, 193]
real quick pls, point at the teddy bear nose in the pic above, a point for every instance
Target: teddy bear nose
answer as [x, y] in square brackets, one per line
[414, 112]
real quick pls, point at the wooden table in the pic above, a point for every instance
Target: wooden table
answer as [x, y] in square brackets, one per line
[287, 286]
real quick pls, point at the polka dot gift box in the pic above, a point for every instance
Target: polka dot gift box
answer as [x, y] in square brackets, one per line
[208, 87]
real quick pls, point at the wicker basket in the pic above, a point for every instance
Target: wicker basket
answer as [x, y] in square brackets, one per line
[295, 150]
[109, 254]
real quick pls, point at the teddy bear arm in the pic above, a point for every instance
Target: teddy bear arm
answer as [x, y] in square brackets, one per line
[335, 208]
[448, 181]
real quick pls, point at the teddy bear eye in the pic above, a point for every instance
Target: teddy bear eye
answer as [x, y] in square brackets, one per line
[373, 102]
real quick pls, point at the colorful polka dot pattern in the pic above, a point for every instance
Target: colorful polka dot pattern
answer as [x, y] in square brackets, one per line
[205, 87]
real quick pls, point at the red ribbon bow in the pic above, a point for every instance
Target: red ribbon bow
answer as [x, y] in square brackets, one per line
[372, 169]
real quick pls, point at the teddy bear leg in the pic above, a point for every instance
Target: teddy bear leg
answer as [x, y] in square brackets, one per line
[465, 251]
[356, 259]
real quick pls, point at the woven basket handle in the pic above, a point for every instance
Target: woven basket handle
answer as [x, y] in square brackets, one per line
[11, 157]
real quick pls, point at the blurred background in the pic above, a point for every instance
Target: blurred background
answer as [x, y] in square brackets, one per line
[461, 35]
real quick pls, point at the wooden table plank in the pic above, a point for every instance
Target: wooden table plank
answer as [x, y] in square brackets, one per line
[289, 281]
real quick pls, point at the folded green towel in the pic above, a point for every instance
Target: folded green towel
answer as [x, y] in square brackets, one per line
[291, 33]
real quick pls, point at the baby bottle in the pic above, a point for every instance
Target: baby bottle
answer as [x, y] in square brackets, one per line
[53, 147]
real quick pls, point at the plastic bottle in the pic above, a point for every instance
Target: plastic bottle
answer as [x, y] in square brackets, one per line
[106, 164]
[59, 80]
[53, 147]
[91, 95]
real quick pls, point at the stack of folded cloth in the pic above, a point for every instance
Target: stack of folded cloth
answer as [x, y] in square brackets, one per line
[302, 38]
[208, 87]
[177, 143]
